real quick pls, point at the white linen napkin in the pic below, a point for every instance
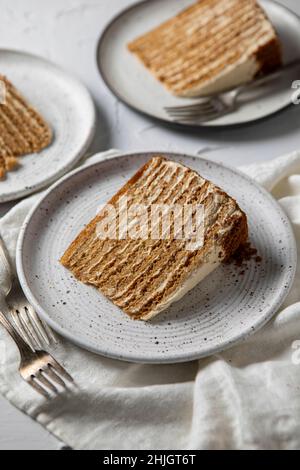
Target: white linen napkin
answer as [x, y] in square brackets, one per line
[245, 398]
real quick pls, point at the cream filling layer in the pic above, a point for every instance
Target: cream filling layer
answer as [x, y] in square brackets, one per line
[195, 277]
[230, 77]
[241, 72]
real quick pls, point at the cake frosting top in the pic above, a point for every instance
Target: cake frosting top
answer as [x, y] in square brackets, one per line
[207, 39]
[140, 275]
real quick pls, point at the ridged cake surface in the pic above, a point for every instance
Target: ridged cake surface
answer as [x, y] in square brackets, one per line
[211, 46]
[144, 276]
[22, 128]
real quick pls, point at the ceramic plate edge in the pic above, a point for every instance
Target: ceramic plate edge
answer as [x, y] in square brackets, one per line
[131, 357]
[169, 123]
[88, 141]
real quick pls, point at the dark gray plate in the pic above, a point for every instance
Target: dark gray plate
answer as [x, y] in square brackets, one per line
[128, 79]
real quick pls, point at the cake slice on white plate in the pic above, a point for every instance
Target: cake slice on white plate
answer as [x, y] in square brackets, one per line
[211, 46]
[22, 129]
[144, 276]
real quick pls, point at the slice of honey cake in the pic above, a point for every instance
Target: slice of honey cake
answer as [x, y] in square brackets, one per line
[7, 160]
[144, 275]
[22, 128]
[209, 47]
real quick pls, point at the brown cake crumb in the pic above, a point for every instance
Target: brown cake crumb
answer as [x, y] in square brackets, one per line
[7, 163]
[243, 255]
[11, 163]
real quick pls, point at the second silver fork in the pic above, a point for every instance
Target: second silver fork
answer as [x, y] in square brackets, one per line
[23, 316]
[212, 107]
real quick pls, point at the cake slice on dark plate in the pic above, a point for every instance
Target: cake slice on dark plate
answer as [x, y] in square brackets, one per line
[209, 47]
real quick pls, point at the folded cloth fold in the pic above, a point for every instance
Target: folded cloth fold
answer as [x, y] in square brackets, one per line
[244, 398]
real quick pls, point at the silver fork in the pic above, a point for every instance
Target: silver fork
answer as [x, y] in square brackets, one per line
[22, 315]
[212, 107]
[24, 318]
[38, 368]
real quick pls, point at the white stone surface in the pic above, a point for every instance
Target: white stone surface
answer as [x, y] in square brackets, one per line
[67, 33]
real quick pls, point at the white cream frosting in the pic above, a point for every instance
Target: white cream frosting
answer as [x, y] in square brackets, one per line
[233, 75]
[197, 276]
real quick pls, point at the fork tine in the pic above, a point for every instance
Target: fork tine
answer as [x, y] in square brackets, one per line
[51, 334]
[213, 104]
[31, 381]
[192, 110]
[54, 376]
[41, 377]
[48, 331]
[194, 116]
[200, 104]
[39, 333]
[192, 113]
[27, 325]
[23, 330]
[198, 118]
[58, 368]
[37, 325]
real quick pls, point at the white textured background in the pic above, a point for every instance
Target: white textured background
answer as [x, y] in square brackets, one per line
[66, 32]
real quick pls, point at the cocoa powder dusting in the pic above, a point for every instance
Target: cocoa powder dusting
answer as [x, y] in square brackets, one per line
[243, 255]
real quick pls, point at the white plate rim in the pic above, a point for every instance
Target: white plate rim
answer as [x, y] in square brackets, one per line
[85, 145]
[132, 357]
[161, 120]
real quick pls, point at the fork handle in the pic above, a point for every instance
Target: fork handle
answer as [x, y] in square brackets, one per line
[257, 82]
[20, 343]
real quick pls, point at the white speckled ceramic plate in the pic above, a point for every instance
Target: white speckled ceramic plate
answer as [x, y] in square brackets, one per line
[66, 105]
[223, 309]
[129, 80]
